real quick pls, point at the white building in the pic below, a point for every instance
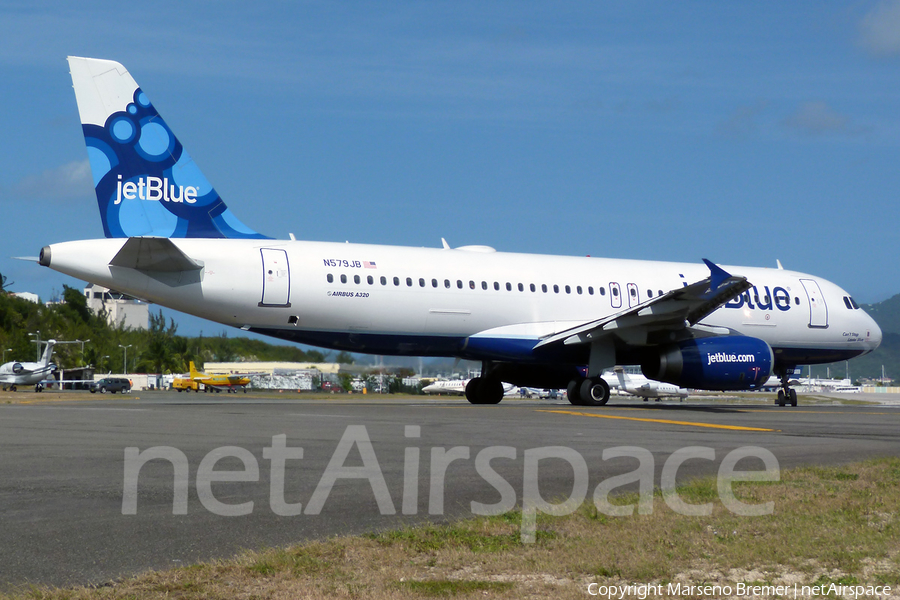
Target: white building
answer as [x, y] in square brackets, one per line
[27, 296]
[120, 309]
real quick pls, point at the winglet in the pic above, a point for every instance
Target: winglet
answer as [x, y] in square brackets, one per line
[717, 275]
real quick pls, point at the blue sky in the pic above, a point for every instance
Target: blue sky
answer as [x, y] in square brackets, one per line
[738, 132]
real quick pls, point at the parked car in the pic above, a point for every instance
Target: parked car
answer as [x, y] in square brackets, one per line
[112, 385]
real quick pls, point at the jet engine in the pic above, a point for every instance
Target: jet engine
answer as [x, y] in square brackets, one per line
[714, 363]
[17, 368]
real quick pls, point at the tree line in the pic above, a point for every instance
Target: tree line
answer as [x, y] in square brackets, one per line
[157, 349]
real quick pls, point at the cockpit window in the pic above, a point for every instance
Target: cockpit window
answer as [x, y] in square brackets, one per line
[850, 303]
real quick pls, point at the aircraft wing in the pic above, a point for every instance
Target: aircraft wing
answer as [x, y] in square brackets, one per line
[678, 309]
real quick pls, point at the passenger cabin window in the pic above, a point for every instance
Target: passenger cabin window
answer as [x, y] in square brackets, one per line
[356, 279]
[409, 281]
[343, 279]
[555, 289]
[396, 281]
[508, 286]
[434, 283]
[484, 285]
[497, 286]
[370, 280]
[330, 278]
[447, 283]
[383, 280]
[544, 287]
[521, 288]
[568, 290]
[471, 285]
[421, 282]
[590, 290]
[578, 289]
[531, 287]
[602, 291]
[459, 283]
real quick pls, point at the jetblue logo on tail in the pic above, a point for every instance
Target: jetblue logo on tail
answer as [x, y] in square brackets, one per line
[146, 183]
[155, 189]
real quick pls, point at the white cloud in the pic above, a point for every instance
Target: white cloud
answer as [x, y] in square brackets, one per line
[879, 29]
[65, 182]
[743, 121]
[817, 118]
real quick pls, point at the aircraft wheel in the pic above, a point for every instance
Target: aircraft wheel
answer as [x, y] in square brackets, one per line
[573, 391]
[490, 391]
[594, 392]
[779, 401]
[472, 390]
[12, 388]
[793, 397]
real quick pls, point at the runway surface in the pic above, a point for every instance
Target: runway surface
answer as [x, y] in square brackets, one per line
[63, 466]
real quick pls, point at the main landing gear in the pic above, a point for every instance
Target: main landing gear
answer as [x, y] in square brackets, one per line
[589, 391]
[786, 395]
[484, 390]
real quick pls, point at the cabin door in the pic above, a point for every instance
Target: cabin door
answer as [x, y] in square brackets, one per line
[276, 289]
[818, 312]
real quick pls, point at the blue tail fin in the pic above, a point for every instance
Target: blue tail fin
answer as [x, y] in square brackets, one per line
[146, 182]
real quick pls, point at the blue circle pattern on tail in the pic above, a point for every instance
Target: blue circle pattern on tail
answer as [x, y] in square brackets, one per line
[148, 185]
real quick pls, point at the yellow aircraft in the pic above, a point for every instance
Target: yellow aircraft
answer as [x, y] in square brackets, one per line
[229, 381]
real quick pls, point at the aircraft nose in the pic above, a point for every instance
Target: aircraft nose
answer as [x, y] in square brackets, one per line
[873, 331]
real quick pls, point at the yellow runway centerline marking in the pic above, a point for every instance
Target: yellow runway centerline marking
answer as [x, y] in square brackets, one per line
[666, 421]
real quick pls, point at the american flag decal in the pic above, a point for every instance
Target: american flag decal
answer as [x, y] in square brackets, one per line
[369, 265]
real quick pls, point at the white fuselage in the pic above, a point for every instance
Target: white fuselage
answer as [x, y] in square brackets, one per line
[422, 301]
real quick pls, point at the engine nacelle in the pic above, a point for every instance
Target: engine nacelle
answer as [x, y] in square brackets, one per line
[714, 363]
[17, 368]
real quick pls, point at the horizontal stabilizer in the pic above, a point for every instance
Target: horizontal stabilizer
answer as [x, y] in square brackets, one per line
[159, 255]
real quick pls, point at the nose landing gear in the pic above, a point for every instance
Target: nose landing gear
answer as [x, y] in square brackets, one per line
[786, 395]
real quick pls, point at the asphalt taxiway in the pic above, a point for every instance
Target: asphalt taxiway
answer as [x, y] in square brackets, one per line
[64, 466]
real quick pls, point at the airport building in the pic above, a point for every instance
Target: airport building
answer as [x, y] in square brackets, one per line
[120, 310]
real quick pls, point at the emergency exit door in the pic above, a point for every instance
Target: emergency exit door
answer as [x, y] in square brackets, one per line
[276, 289]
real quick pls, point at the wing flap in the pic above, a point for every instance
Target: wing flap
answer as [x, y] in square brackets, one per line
[678, 309]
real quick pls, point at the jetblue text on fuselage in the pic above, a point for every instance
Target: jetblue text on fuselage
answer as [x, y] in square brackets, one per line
[154, 189]
[779, 297]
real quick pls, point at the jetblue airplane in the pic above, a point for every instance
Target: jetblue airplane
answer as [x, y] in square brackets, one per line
[531, 320]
